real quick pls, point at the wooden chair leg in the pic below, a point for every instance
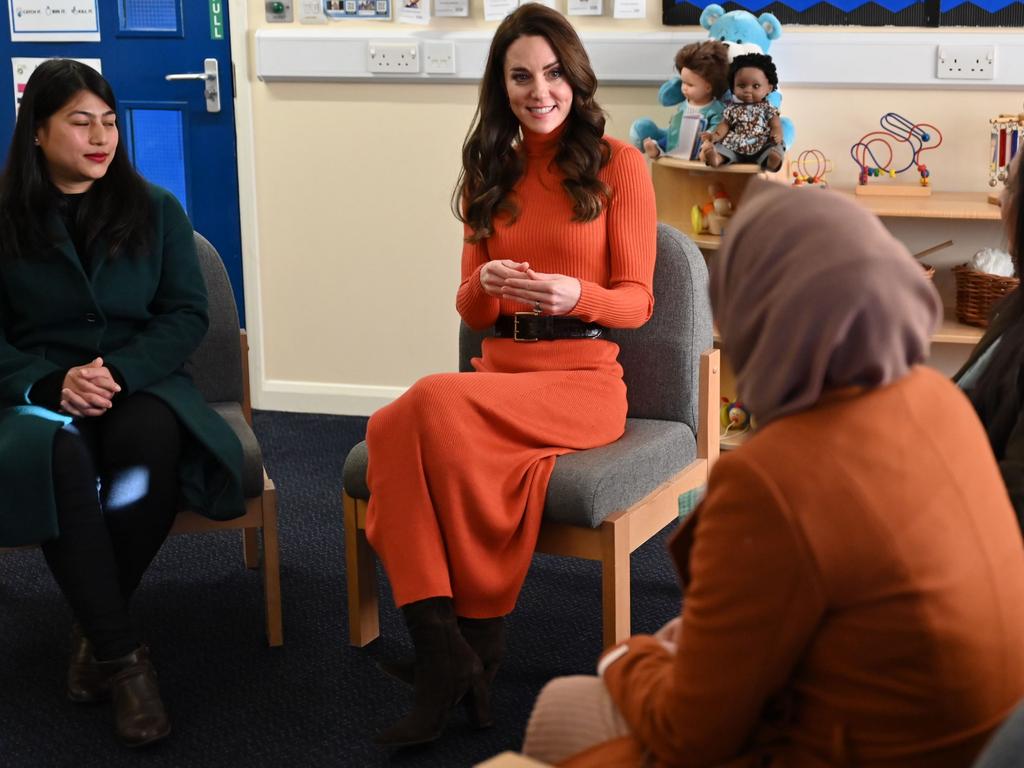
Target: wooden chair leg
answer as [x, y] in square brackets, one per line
[271, 568]
[615, 606]
[251, 547]
[361, 572]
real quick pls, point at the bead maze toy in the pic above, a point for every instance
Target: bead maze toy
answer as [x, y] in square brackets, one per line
[1006, 138]
[897, 131]
[810, 168]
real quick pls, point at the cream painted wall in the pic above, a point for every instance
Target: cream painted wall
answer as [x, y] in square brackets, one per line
[358, 252]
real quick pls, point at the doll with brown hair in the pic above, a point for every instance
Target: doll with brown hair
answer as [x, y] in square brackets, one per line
[750, 130]
[703, 68]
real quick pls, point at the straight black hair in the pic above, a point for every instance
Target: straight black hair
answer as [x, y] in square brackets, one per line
[117, 206]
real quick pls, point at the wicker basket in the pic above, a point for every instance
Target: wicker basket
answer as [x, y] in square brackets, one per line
[976, 292]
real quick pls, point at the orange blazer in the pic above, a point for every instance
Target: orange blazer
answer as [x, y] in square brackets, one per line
[854, 596]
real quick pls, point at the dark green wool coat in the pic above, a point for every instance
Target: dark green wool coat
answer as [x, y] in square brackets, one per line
[144, 314]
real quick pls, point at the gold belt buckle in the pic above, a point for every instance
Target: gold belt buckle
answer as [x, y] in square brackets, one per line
[515, 326]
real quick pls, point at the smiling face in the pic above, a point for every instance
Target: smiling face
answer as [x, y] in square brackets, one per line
[696, 89]
[750, 85]
[538, 92]
[78, 142]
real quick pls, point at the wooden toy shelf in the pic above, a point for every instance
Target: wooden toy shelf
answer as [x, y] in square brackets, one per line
[680, 184]
[970, 206]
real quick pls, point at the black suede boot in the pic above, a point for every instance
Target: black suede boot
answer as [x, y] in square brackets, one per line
[487, 639]
[446, 670]
[139, 714]
[86, 683]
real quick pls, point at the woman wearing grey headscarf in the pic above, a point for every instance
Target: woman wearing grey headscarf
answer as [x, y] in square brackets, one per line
[854, 580]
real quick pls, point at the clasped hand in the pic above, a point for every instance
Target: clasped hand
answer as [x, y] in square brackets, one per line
[88, 390]
[552, 294]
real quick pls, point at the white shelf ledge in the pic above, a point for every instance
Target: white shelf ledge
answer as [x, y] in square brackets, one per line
[807, 57]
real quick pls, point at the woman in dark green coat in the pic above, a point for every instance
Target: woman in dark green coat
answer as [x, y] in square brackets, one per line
[102, 434]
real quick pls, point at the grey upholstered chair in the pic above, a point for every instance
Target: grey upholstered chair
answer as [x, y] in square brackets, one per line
[1006, 749]
[605, 502]
[220, 370]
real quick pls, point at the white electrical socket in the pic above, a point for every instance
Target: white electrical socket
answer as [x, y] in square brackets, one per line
[393, 58]
[439, 57]
[966, 62]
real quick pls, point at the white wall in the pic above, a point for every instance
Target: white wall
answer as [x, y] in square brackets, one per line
[352, 251]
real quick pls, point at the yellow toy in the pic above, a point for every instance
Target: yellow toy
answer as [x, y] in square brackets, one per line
[712, 215]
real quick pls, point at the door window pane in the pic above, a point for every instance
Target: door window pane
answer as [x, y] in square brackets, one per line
[149, 15]
[156, 144]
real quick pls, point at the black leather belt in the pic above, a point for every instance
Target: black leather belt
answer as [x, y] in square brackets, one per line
[528, 326]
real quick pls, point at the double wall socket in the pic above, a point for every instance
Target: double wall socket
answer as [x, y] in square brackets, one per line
[393, 58]
[966, 62]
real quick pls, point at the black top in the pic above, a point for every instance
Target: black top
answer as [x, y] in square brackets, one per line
[68, 206]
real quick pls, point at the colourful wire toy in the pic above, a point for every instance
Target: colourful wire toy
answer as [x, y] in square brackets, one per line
[803, 174]
[920, 137]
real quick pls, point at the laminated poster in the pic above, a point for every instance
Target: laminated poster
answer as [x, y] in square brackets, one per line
[358, 9]
[451, 8]
[38, 21]
[311, 12]
[414, 11]
[496, 10]
[584, 7]
[630, 9]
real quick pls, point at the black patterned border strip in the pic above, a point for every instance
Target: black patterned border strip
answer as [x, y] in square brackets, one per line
[920, 14]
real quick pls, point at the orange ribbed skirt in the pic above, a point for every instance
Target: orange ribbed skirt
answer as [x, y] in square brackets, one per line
[459, 466]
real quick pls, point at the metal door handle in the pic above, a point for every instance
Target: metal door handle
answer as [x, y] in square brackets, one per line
[211, 76]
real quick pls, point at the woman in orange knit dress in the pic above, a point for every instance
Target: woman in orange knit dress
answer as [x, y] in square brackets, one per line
[560, 225]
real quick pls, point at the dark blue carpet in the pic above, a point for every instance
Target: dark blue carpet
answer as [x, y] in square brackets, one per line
[316, 701]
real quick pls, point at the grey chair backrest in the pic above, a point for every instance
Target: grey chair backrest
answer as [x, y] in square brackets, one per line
[661, 359]
[1006, 749]
[216, 365]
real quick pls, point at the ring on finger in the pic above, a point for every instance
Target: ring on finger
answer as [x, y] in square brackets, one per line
[537, 307]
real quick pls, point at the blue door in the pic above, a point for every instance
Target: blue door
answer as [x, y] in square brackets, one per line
[168, 126]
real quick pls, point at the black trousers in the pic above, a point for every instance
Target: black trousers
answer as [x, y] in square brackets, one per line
[115, 481]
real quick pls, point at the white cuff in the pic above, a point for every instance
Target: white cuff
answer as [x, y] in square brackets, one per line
[610, 658]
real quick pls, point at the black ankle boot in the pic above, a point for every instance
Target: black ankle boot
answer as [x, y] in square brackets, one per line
[487, 639]
[139, 714]
[446, 670]
[86, 682]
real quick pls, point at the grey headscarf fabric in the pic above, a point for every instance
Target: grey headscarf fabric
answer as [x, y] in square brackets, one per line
[810, 292]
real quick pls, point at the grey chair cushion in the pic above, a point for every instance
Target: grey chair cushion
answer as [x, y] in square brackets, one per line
[587, 486]
[252, 457]
[216, 365]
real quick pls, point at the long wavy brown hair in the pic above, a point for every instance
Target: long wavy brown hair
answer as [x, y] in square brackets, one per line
[491, 163]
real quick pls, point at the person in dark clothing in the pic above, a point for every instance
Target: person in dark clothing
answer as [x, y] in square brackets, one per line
[101, 303]
[993, 376]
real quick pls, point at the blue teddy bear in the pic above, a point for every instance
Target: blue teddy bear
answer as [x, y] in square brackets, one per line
[743, 33]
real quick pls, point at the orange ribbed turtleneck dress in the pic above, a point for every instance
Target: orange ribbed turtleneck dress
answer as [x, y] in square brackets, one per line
[459, 464]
